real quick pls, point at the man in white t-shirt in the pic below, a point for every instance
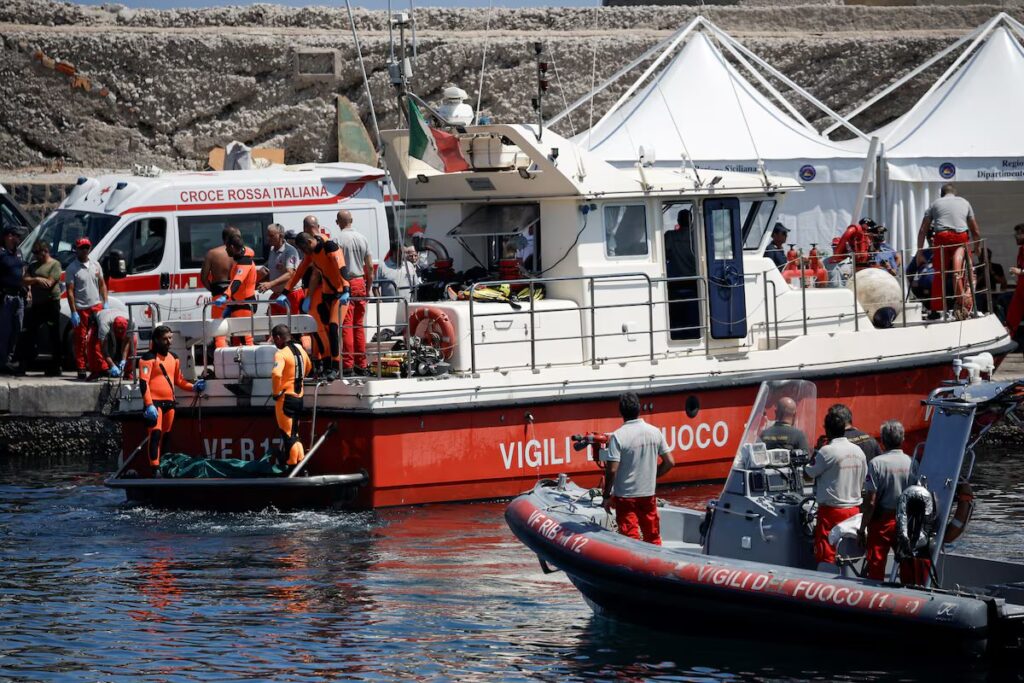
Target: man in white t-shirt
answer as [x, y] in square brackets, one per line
[636, 456]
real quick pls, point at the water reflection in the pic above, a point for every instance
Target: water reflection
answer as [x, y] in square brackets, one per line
[94, 590]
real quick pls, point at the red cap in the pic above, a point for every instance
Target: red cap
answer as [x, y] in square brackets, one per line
[82, 242]
[120, 326]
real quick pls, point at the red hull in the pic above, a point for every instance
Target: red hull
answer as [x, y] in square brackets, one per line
[499, 452]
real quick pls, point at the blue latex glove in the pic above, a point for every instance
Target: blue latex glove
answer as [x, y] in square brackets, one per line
[199, 386]
[151, 414]
[220, 300]
[120, 366]
[344, 297]
[304, 306]
[105, 305]
[76, 319]
[114, 371]
[281, 300]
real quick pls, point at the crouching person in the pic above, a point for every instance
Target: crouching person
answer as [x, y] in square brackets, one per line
[636, 456]
[159, 373]
[291, 365]
[888, 475]
[838, 470]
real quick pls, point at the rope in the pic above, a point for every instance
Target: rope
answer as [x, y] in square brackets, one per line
[746, 124]
[593, 83]
[561, 90]
[679, 134]
[362, 67]
[483, 62]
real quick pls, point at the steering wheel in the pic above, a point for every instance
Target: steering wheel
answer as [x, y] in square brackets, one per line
[808, 515]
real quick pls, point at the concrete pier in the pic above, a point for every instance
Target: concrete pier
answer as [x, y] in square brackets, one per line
[35, 396]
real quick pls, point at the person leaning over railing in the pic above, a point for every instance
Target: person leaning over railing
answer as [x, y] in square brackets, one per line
[949, 219]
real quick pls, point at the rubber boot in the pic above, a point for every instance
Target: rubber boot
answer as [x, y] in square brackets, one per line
[333, 370]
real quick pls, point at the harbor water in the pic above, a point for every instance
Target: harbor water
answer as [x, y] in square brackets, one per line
[95, 590]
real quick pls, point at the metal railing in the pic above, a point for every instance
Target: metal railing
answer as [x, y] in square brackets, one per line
[256, 303]
[693, 291]
[531, 284]
[937, 305]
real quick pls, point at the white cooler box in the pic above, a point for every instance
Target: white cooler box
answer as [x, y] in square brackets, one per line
[251, 361]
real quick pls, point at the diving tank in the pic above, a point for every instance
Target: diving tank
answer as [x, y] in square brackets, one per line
[879, 295]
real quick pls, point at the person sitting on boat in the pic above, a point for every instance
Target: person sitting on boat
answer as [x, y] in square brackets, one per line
[636, 455]
[883, 255]
[291, 366]
[159, 373]
[888, 475]
[838, 471]
[782, 434]
[863, 440]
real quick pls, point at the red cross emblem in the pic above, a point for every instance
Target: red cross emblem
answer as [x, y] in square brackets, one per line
[104, 190]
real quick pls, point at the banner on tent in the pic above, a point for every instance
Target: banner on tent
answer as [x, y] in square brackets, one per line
[939, 170]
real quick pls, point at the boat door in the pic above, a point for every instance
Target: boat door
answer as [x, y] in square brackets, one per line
[727, 306]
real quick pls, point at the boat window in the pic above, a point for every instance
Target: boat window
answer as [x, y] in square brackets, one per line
[508, 231]
[757, 216]
[61, 229]
[142, 245]
[198, 234]
[721, 234]
[625, 230]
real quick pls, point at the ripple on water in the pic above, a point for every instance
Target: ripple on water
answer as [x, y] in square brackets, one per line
[93, 589]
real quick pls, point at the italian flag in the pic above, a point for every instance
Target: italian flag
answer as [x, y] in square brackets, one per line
[435, 148]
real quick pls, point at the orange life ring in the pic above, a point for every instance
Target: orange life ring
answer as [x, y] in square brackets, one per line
[962, 515]
[438, 331]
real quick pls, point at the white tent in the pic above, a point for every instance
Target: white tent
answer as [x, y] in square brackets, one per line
[699, 108]
[966, 130]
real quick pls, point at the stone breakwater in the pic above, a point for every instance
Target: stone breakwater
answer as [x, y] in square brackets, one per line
[184, 81]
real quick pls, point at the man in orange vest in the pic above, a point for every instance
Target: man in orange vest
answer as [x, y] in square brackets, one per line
[323, 300]
[159, 373]
[291, 365]
[242, 286]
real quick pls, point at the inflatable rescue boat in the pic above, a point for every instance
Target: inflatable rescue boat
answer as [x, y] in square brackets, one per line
[746, 562]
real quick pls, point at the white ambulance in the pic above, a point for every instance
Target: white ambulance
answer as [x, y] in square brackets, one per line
[162, 225]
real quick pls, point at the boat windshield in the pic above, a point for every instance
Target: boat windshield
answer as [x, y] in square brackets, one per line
[62, 227]
[780, 403]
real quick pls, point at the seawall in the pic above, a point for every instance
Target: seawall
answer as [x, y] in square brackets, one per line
[163, 87]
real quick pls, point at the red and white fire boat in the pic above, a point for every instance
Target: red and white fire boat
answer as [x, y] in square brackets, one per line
[647, 279]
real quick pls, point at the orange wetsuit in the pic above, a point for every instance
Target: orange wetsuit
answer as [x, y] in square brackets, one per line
[218, 288]
[157, 377]
[242, 287]
[291, 365]
[328, 260]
